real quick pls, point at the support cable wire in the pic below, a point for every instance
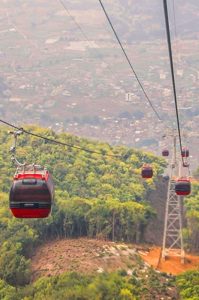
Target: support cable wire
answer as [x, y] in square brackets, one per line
[177, 41]
[172, 72]
[177, 44]
[59, 142]
[175, 34]
[73, 19]
[84, 34]
[129, 62]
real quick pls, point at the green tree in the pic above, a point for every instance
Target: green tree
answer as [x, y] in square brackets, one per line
[14, 266]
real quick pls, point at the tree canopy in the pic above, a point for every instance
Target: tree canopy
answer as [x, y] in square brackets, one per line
[96, 196]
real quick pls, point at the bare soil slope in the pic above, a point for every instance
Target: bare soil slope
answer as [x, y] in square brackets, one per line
[90, 256]
[81, 255]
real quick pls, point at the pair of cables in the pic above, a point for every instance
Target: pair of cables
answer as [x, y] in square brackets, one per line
[131, 65]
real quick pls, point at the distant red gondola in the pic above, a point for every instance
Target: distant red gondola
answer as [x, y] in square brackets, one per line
[32, 193]
[183, 186]
[147, 171]
[165, 152]
[185, 152]
[185, 164]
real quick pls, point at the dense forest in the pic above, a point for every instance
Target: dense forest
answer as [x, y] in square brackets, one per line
[191, 232]
[96, 195]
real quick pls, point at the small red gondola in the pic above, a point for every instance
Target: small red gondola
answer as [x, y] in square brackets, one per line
[147, 172]
[183, 186]
[185, 152]
[185, 164]
[32, 193]
[165, 152]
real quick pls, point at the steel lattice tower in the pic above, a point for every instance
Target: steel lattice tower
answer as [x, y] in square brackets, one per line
[172, 239]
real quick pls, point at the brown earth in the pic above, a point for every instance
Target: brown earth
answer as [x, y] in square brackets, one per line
[81, 255]
[90, 256]
[172, 265]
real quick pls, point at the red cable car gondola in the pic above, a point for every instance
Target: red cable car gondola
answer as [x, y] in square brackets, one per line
[185, 152]
[147, 171]
[165, 152]
[32, 193]
[183, 186]
[185, 164]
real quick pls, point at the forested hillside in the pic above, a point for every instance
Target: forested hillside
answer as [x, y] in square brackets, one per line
[191, 233]
[97, 195]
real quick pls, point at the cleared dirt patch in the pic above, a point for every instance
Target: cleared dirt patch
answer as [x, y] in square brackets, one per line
[96, 256]
[172, 265]
[81, 255]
